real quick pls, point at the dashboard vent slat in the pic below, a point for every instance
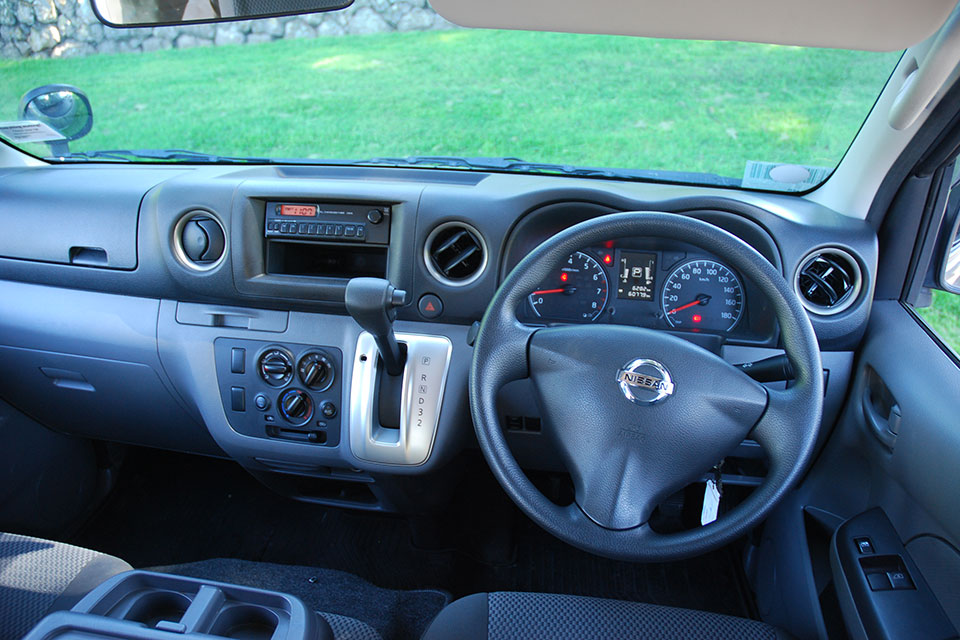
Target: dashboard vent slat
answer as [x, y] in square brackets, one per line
[455, 254]
[828, 281]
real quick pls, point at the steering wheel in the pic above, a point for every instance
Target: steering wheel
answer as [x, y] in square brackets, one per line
[638, 414]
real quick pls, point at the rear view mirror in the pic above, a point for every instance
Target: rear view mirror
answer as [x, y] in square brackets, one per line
[146, 13]
[63, 108]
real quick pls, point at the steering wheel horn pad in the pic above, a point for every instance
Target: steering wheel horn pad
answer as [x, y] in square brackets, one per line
[622, 455]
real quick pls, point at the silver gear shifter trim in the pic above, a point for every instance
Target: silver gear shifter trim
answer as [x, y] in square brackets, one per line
[424, 378]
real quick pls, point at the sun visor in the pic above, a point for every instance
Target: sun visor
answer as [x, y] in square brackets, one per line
[878, 25]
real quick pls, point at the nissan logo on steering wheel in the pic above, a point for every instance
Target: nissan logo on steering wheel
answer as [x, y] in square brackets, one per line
[645, 381]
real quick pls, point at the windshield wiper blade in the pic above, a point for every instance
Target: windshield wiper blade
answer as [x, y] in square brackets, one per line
[521, 166]
[160, 155]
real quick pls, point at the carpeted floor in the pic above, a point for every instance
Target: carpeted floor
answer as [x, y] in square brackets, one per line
[172, 509]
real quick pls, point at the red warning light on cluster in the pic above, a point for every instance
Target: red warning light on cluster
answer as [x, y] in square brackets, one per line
[564, 277]
[607, 258]
[697, 318]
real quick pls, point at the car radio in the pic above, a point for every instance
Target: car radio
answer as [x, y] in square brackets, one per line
[325, 222]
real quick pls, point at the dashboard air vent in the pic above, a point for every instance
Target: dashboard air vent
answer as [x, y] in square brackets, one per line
[199, 241]
[828, 281]
[455, 254]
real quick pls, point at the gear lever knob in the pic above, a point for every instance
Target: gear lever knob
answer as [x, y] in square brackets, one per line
[373, 303]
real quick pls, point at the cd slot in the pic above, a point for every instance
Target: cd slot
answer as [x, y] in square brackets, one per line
[318, 259]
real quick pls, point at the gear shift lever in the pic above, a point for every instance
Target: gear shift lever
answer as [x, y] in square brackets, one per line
[373, 304]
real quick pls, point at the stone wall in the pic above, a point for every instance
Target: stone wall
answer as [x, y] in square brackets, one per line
[66, 28]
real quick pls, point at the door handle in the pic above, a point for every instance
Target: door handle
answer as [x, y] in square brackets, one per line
[881, 410]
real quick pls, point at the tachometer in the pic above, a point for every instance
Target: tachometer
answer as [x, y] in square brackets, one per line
[702, 294]
[576, 293]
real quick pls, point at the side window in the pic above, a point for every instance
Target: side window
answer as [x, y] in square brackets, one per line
[942, 314]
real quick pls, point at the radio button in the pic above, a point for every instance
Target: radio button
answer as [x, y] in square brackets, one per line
[349, 230]
[302, 229]
[329, 230]
[312, 228]
[361, 231]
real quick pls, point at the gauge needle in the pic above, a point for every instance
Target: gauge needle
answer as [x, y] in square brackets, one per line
[546, 291]
[701, 300]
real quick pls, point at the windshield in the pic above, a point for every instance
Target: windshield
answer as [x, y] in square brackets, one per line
[393, 83]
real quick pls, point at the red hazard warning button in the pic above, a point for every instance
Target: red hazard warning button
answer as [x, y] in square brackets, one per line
[430, 306]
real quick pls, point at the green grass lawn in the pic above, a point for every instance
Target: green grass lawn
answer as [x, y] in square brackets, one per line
[944, 316]
[591, 100]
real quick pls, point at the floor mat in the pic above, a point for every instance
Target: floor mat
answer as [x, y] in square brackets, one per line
[171, 509]
[394, 614]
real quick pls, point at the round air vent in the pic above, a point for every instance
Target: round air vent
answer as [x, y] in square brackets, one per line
[828, 281]
[199, 241]
[455, 254]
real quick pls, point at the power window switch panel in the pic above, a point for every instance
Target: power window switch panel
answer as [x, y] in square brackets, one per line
[237, 357]
[900, 580]
[864, 546]
[238, 400]
[878, 582]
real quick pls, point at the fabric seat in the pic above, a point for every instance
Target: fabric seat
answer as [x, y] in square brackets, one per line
[531, 616]
[40, 576]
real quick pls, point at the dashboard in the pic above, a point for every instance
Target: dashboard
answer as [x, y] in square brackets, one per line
[210, 303]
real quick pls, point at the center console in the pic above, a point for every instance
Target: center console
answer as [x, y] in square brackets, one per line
[139, 605]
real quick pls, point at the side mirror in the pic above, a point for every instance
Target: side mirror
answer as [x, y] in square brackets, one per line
[147, 13]
[63, 108]
[949, 273]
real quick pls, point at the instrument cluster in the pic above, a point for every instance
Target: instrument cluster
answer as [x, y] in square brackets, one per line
[647, 284]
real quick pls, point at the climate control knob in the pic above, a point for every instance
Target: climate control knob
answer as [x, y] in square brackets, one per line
[275, 367]
[316, 371]
[296, 407]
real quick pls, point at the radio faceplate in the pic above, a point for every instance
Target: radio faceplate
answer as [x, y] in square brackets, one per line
[326, 222]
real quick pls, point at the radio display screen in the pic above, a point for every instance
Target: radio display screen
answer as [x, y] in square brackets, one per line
[299, 210]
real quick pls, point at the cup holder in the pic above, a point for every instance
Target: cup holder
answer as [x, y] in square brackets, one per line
[157, 606]
[245, 622]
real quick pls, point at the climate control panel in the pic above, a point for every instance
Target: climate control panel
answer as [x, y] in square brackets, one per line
[284, 391]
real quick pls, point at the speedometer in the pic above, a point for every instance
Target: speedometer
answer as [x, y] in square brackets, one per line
[576, 293]
[702, 294]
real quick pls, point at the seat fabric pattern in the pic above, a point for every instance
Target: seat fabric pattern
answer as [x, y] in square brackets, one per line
[532, 616]
[33, 574]
[346, 628]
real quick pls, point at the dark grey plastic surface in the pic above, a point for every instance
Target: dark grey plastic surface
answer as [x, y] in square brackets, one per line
[139, 605]
[73, 218]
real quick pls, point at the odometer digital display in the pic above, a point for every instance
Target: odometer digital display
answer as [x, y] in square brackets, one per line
[704, 295]
[637, 276]
[299, 210]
